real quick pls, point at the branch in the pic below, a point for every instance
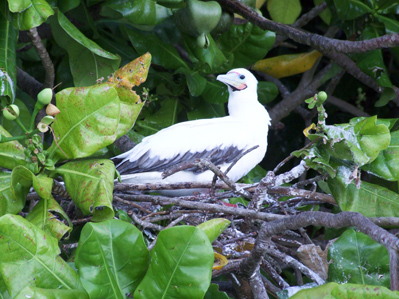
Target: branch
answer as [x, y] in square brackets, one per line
[28, 84]
[340, 220]
[45, 58]
[296, 98]
[323, 44]
[162, 200]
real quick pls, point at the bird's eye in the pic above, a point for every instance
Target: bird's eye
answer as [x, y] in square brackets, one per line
[242, 77]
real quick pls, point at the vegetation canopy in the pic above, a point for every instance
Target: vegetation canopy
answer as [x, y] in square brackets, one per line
[83, 81]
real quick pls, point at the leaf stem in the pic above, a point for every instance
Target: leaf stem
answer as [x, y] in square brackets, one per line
[21, 126]
[34, 114]
[28, 135]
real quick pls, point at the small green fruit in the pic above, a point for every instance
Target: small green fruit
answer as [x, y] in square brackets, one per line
[11, 112]
[44, 97]
[321, 97]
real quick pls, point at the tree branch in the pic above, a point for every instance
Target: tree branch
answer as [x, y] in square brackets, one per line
[323, 44]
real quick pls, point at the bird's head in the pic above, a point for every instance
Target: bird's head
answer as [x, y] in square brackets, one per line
[239, 80]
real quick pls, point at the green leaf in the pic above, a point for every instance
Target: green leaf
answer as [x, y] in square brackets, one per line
[215, 92]
[247, 43]
[209, 60]
[316, 157]
[214, 293]
[90, 184]
[36, 14]
[10, 204]
[163, 54]
[325, 15]
[180, 265]
[88, 61]
[284, 11]
[195, 82]
[92, 118]
[112, 258]
[386, 165]
[11, 153]
[202, 109]
[356, 258]
[370, 200]
[214, 227]
[19, 5]
[40, 293]
[164, 117]
[48, 215]
[136, 12]
[391, 26]
[30, 258]
[372, 63]
[351, 9]
[8, 67]
[267, 92]
[349, 290]
[360, 141]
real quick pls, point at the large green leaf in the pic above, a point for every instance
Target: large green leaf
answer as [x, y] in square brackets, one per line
[92, 118]
[355, 258]
[40, 293]
[351, 9]
[8, 66]
[19, 5]
[209, 60]
[180, 265]
[112, 258]
[36, 13]
[195, 82]
[88, 61]
[214, 293]
[163, 54]
[136, 12]
[214, 227]
[215, 92]
[9, 203]
[284, 11]
[247, 43]
[11, 153]
[165, 117]
[334, 290]
[371, 200]
[48, 215]
[372, 63]
[359, 141]
[90, 184]
[30, 258]
[386, 165]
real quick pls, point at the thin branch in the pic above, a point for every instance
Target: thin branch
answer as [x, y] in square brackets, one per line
[295, 264]
[296, 98]
[145, 224]
[394, 269]
[44, 56]
[345, 106]
[162, 200]
[340, 220]
[323, 44]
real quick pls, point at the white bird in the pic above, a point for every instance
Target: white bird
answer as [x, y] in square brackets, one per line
[219, 139]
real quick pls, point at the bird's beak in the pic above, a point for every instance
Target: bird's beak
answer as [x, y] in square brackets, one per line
[231, 79]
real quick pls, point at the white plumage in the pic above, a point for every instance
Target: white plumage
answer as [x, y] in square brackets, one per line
[219, 139]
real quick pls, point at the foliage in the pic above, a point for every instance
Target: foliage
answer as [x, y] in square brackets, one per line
[100, 52]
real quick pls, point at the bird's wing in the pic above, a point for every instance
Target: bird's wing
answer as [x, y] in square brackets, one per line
[219, 139]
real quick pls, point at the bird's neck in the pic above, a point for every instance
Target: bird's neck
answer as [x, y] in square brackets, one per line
[244, 105]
